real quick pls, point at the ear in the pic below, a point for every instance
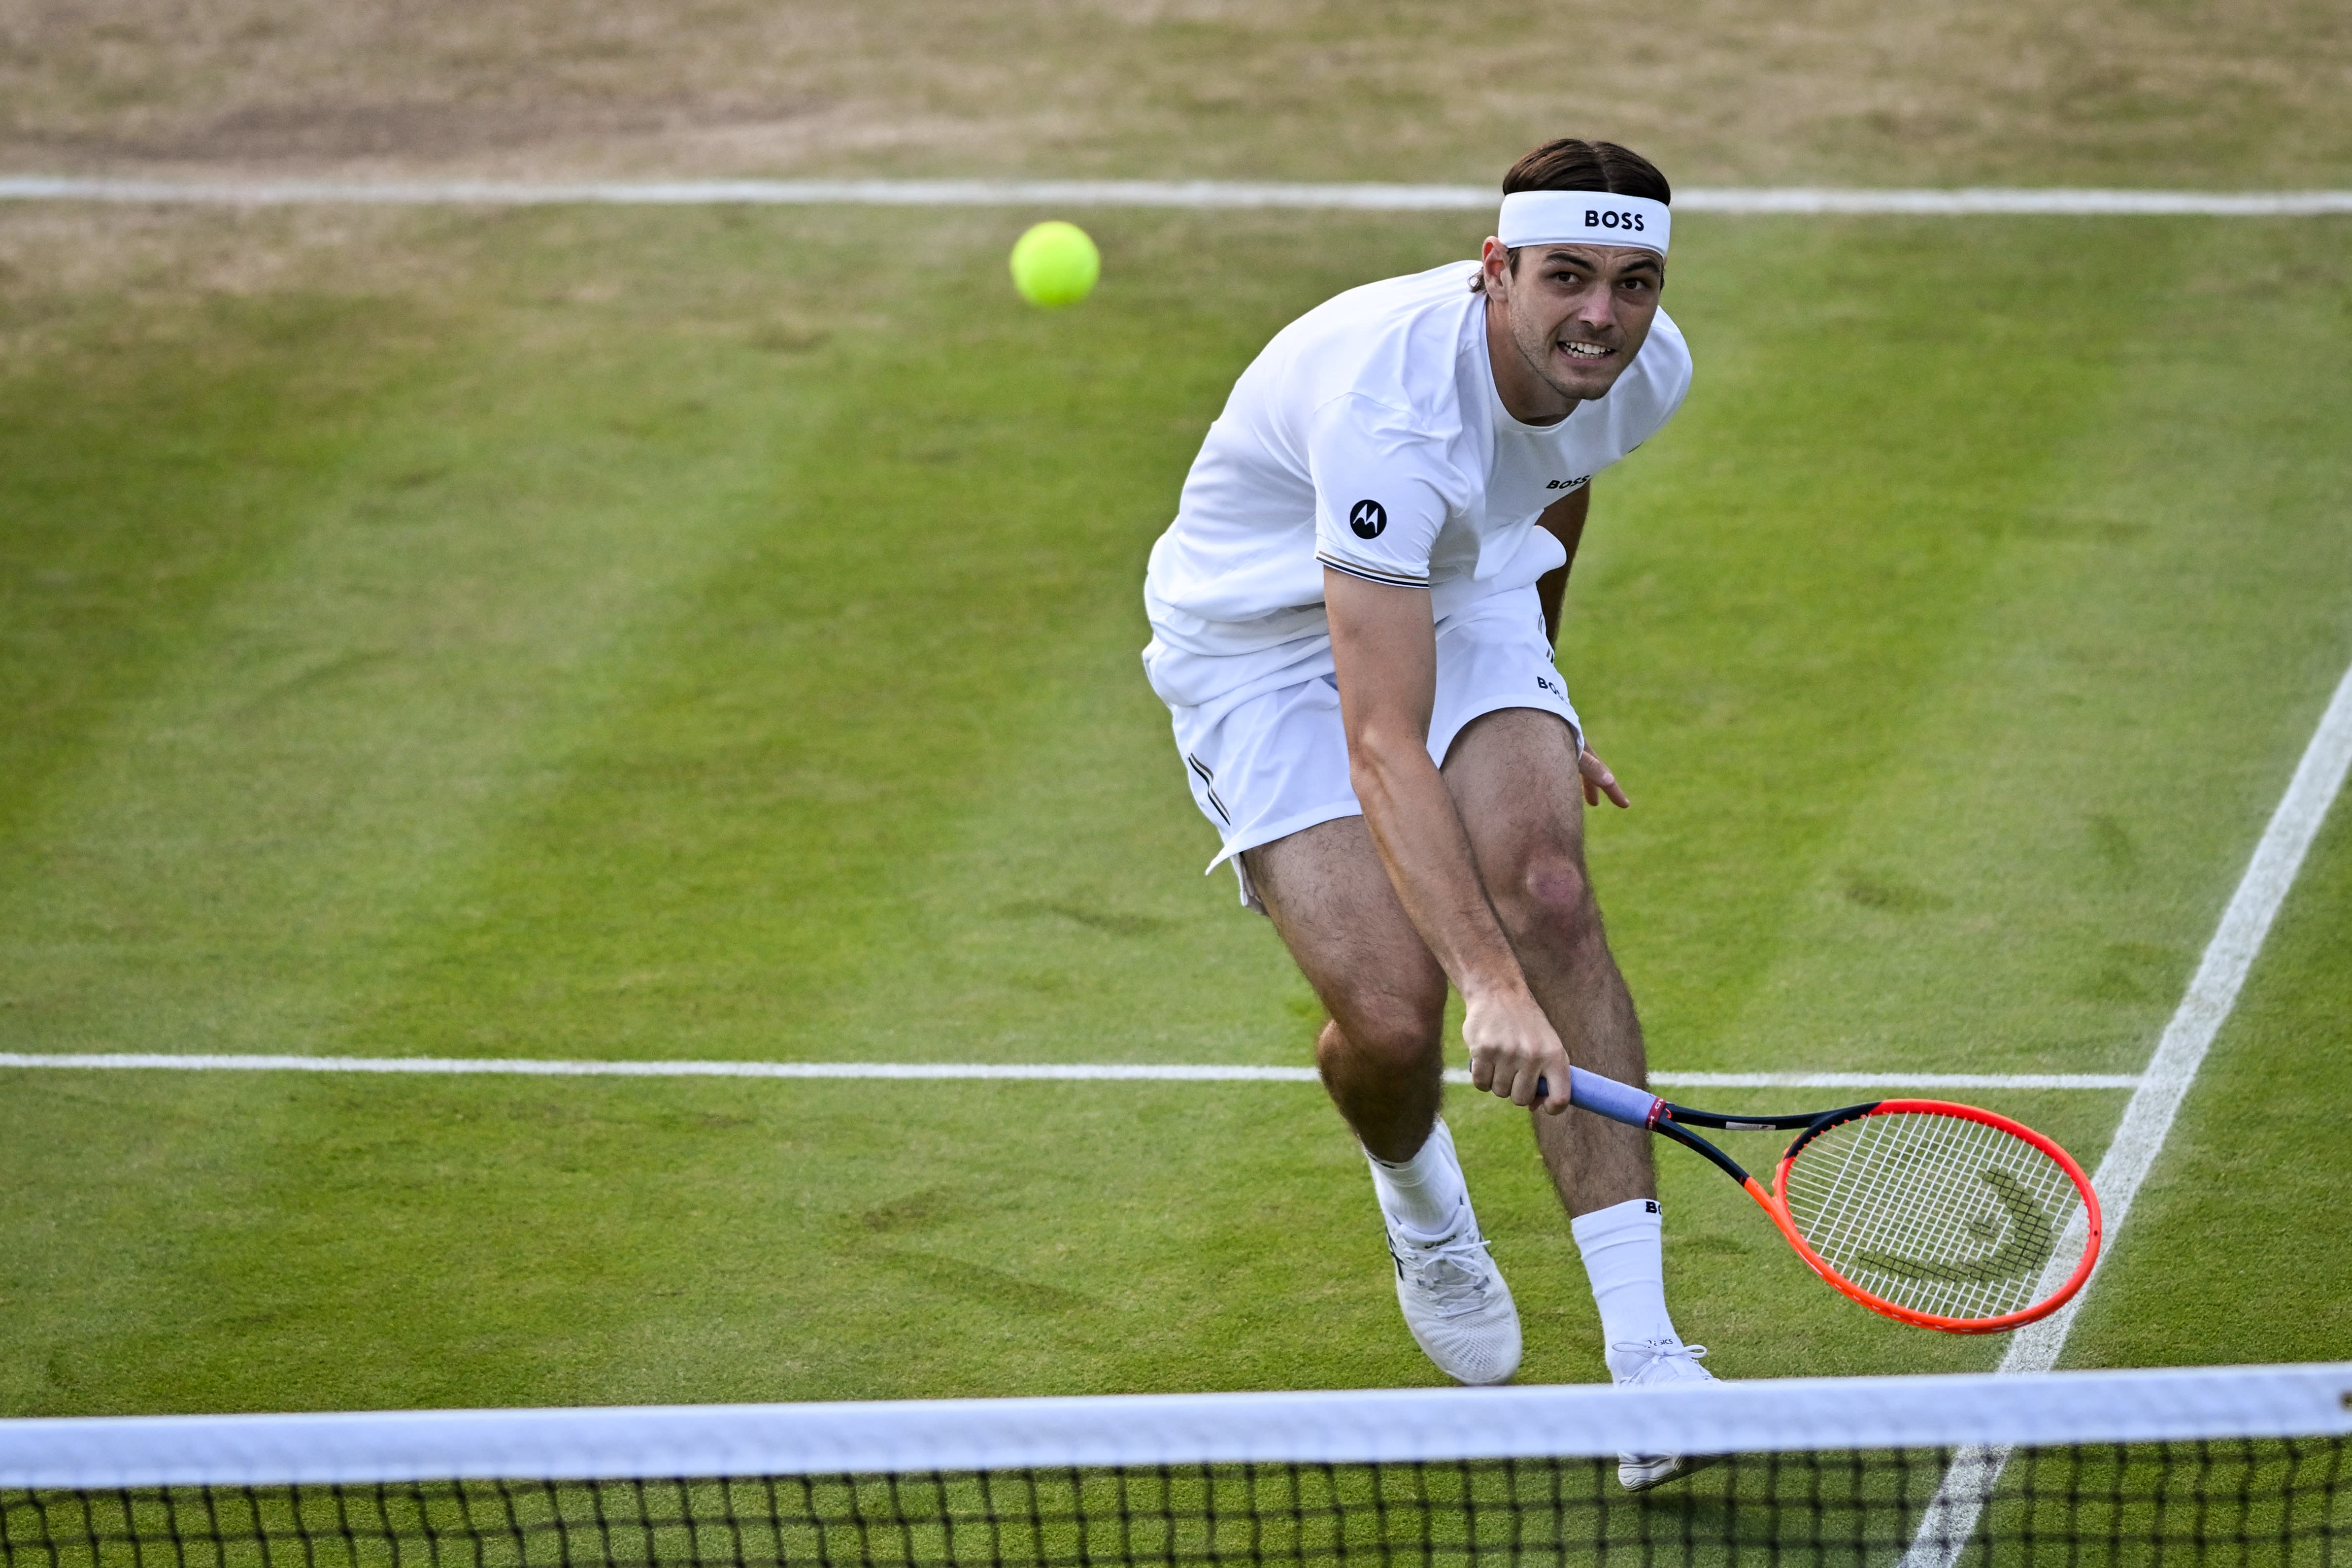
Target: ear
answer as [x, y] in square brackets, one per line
[1494, 257]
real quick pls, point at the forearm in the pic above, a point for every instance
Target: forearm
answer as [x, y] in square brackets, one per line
[1420, 838]
[1384, 659]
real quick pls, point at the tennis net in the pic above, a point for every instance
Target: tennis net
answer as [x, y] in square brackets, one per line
[2231, 1464]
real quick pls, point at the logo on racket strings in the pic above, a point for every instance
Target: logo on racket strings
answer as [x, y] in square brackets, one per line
[2027, 1246]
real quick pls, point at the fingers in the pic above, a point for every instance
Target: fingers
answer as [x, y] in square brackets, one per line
[1513, 1051]
[1524, 1076]
[1599, 780]
[1555, 1083]
[1506, 1072]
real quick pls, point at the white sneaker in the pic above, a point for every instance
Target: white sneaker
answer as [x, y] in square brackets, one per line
[1454, 1300]
[1657, 1364]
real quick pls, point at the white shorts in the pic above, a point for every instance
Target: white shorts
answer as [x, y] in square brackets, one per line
[1277, 762]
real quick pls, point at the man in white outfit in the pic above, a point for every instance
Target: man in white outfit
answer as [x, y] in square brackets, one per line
[1353, 618]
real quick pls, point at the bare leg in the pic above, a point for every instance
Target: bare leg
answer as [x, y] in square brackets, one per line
[1381, 1055]
[1332, 902]
[1513, 775]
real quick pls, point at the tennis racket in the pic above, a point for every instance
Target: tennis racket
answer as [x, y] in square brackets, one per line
[1937, 1215]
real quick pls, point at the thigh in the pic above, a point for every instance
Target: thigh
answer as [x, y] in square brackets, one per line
[1268, 767]
[1514, 779]
[1331, 899]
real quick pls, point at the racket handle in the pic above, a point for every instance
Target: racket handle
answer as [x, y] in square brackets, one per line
[1606, 1097]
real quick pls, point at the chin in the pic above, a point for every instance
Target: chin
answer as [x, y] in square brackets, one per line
[1589, 387]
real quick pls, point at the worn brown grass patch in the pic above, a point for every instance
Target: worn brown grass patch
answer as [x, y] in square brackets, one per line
[2161, 92]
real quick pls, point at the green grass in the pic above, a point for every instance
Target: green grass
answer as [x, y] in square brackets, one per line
[713, 634]
[2234, 1253]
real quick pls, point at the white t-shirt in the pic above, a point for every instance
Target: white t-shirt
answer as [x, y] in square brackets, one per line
[1368, 436]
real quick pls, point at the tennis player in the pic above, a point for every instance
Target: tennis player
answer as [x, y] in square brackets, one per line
[1353, 618]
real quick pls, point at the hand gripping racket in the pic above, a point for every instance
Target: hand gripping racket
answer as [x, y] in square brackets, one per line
[1937, 1215]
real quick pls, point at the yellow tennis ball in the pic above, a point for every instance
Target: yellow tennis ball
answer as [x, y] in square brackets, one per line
[1056, 264]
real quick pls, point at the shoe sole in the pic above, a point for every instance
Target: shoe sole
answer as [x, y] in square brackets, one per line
[1688, 1464]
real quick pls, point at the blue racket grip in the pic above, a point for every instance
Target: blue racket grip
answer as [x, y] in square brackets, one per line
[1606, 1097]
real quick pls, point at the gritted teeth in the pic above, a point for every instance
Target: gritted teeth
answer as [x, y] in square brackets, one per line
[1585, 350]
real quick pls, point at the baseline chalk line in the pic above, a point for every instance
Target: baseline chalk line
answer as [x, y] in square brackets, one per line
[1196, 193]
[1885, 1080]
[536, 1067]
[1951, 1517]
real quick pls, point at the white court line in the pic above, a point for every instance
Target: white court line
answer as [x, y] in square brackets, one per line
[1945, 1528]
[536, 1067]
[1885, 1080]
[1358, 197]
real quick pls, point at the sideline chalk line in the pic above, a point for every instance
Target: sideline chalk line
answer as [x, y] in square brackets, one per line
[537, 1067]
[1951, 1517]
[1358, 198]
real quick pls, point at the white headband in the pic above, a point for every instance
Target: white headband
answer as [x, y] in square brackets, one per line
[1582, 218]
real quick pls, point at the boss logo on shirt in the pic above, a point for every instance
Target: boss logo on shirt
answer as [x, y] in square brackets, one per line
[1367, 518]
[1570, 484]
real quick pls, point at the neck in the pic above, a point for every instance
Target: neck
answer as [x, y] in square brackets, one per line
[1527, 396]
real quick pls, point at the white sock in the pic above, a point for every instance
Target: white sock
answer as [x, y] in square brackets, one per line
[1624, 1249]
[1426, 1191]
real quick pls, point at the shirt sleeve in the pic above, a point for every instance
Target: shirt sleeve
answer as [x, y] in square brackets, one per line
[1381, 489]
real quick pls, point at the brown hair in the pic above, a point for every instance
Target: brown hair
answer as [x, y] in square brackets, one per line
[1569, 164]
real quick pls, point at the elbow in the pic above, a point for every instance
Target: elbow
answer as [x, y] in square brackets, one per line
[1380, 762]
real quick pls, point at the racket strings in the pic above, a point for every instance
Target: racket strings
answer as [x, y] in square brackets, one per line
[1938, 1214]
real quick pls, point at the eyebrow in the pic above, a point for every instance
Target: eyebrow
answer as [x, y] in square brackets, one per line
[1647, 260]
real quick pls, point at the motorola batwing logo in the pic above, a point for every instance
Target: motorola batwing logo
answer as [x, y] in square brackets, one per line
[1367, 518]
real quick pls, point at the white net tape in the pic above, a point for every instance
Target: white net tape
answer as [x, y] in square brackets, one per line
[1384, 1425]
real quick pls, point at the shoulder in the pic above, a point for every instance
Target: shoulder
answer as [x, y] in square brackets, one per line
[1664, 361]
[1655, 384]
[1400, 298]
[1393, 342]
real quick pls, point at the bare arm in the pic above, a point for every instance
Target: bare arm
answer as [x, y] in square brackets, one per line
[1384, 645]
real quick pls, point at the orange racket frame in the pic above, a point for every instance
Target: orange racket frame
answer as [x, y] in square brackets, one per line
[1638, 1107]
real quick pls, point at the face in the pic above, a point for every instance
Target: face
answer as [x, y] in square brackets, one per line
[1577, 315]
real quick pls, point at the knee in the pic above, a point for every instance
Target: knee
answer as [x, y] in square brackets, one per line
[1392, 1034]
[1551, 901]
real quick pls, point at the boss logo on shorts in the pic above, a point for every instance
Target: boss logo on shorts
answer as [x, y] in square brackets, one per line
[1554, 687]
[1367, 518]
[1570, 484]
[1596, 219]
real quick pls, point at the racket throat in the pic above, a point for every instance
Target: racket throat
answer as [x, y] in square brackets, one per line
[1668, 1127]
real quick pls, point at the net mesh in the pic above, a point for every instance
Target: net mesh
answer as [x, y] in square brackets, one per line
[2274, 1502]
[1937, 1213]
[2271, 1498]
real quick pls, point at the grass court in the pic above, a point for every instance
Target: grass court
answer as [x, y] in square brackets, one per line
[711, 633]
